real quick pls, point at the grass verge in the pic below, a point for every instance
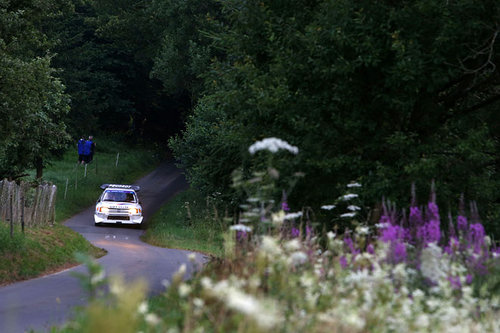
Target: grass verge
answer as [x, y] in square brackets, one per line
[187, 222]
[39, 251]
[48, 249]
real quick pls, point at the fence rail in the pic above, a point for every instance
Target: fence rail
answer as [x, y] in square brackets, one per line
[27, 204]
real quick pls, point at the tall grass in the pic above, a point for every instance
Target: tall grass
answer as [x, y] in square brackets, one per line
[188, 221]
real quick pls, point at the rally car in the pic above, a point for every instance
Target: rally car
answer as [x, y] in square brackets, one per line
[118, 204]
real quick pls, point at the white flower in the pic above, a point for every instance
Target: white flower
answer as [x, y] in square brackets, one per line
[198, 302]
[99, 277]
[348, 215]
[331, 235]
[353, 208]
[152, 319]
[240, 227]
[292, 245]
[433, 266]
[353, 185]
[270, 246]
[184, 290]
[143, 308]
[328, 207]
[293, 216]
[349, 196]
[272, 145]
[298, 258]
[182, 270]
[192, 257]
[363, 230]
[278, 218]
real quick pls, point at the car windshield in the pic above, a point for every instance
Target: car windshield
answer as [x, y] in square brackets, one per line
[119, 196]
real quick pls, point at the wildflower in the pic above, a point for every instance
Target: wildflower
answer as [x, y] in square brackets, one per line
[462, 223]
[241, 227]
[278, 218]
[292, 245]
[292, 216]
[284, 206]
[331, 235]
[298, 258]
[99, 277]
[349, 196]
[184, 290]
[143, 308]
[192, 257]
[152, 319]
[353, 208]
[272, 145]
[351, 185]
[198, 302]
[363, 230]
[343, 262]
[348, 215]
[295, 232]
[432, 266]
[270, 246]
[328, 207]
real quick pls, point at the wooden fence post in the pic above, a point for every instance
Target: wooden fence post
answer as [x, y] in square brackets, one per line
[66, 189]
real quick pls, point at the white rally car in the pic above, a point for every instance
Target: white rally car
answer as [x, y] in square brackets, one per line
[118, 204]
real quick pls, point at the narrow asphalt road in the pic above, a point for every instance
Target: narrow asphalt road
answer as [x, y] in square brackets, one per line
[47, 301]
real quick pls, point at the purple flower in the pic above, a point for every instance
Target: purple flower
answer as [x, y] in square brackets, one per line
[309, 230]
[462, 223]
[455, 282]
[343, 262]
[415, 216]
[284, 206]
[295, 232]
[476, 234]
[391, 233]
[370, 249]
[398, 252]
[468, 279]
[241, 236]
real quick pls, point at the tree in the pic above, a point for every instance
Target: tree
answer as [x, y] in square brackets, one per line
[385, 93]
[33, 99]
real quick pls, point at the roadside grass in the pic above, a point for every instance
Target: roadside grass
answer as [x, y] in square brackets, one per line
[187, 222]
[51, 248]
[39, 251]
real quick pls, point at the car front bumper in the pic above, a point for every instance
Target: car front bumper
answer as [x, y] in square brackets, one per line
[120, 219]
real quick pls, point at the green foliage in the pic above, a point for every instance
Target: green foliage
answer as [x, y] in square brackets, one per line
[33, 99]
[385, 93]
[39, 250]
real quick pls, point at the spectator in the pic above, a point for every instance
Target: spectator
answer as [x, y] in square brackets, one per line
[81, 157]
[92, 148]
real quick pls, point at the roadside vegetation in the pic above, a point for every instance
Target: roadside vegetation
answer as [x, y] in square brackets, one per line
[188, 221]
[42, 250]
[409, 271]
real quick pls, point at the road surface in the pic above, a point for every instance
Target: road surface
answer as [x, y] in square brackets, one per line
[47, 301]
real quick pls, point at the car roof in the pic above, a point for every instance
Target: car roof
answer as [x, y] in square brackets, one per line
[120, 187]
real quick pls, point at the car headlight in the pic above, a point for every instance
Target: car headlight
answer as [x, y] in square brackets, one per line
[133, 211]
[104, 210]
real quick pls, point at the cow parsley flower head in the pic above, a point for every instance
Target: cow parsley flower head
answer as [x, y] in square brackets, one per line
[272, 145]
[349, 196]
[240, 227]
[351, 185]
[353, 208]
[328, 207]
[347, 215]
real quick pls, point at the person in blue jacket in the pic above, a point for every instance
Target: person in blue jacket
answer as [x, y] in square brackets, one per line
[86, 151]
[81, 157]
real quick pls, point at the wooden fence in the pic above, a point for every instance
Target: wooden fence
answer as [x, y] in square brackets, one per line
[26, 204]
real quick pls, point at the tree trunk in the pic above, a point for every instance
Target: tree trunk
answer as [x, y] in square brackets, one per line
[39, 167]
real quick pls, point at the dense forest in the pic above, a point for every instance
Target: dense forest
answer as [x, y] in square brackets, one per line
[385, 93]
